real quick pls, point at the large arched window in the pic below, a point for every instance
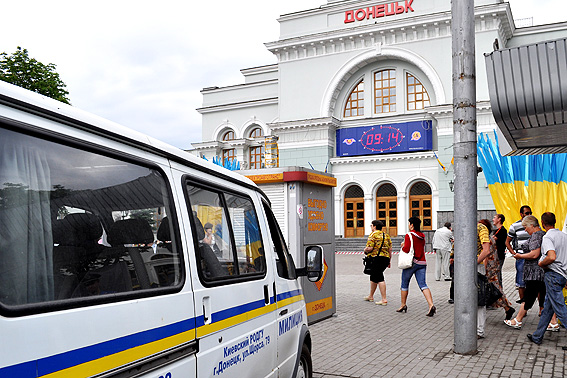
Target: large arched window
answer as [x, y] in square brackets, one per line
[385, 91]
[257, 149]
[355, 103]
[417, 96]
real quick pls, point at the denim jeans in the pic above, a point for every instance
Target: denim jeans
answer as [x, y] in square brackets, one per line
[554, 302]
[520, 273]
[419, 271]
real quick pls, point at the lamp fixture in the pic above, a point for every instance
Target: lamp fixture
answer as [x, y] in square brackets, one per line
[451, 185]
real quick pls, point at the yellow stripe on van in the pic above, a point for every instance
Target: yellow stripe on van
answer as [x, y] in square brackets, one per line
[227, 323]
[288, 301]
[122, 358]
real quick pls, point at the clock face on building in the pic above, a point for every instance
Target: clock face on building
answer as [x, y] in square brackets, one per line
[383, 139]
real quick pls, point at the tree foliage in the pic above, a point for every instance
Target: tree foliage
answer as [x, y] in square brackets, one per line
[21, 70]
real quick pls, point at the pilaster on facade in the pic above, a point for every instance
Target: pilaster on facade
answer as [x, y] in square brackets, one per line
[372, 35]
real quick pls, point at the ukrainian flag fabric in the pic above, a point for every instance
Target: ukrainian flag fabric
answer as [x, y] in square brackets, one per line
[539, 181]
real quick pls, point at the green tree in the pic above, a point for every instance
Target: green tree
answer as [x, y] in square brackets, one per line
[21, 70]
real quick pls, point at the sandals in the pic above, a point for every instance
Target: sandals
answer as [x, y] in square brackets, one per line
[553, 327]
[369, 299]
[516, 324]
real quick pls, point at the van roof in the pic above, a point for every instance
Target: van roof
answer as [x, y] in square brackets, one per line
[31, 102]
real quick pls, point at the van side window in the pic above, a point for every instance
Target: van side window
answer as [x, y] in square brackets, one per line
[76, 224]
[227, 234]
[285, 265]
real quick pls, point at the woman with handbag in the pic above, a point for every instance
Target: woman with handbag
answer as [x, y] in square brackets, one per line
[378, 251]
[415, 240]
[533, 273]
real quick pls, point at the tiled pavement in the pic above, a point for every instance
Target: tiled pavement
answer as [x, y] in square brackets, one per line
[366, 340]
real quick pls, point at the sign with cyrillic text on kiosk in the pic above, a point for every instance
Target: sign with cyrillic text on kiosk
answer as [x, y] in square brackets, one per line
[385, 139]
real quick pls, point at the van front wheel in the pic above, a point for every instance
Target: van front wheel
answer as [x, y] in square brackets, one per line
[305, 368]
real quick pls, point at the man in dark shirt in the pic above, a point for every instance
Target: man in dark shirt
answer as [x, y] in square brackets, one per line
[500, 236]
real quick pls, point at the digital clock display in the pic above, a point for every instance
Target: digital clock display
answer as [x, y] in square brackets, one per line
[381, 139]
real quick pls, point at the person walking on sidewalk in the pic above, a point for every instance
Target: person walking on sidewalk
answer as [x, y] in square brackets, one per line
[533, 273]
[492, 266]
[418, 267]
[379, 248]
[442, 243]
[517, 236]
[554, 262]
[500, 236]
[482, 252]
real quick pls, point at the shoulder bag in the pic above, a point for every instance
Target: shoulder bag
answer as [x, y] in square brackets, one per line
[405, 260]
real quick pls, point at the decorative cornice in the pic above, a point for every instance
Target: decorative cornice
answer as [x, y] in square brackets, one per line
[382, 158]
[424, 27]
[305, 123]
[239, 105]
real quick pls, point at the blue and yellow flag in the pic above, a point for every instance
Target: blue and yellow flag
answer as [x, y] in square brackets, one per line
[539, 181]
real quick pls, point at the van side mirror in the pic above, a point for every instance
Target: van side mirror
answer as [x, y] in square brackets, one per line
[313, 263]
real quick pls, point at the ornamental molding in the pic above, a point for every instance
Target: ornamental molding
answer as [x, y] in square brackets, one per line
[382, 158]
[325, 122]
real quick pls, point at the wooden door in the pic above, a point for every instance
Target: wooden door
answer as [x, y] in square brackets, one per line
[420, 206]
[387, 212]
[354, 217]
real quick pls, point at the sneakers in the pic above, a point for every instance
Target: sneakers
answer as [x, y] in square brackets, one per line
[514, 323]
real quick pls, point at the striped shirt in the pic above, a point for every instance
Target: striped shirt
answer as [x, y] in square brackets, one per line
[519, 236]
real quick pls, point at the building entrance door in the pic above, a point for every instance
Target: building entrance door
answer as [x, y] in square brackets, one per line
[354, 212]
[420, 204]
[387, 208]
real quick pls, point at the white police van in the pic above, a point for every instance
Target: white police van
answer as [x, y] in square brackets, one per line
[121, 256]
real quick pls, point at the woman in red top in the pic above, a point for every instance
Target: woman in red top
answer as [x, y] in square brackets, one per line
[418, 267]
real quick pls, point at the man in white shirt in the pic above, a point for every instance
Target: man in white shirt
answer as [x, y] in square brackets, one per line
[442, 243]
[554, 262]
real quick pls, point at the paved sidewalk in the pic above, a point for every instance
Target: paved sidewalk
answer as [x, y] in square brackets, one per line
[366, 340]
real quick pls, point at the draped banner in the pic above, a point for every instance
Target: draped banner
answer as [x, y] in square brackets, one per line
[539, 181]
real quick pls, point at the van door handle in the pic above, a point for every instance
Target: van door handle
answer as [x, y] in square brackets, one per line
[283, 312]
[266, 295]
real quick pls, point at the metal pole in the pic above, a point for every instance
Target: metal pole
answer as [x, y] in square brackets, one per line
[464, 151]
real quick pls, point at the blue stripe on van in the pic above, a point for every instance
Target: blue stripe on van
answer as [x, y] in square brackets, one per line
[238, 310]
[289, 294]
[79, 356]
[26, 369]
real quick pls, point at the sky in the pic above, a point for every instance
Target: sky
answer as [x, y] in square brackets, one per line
[143, 64]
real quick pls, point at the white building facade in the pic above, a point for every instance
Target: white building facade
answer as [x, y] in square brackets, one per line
[363, 90]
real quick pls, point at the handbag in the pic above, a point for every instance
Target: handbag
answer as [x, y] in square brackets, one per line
[488, 293]
[405, 260]
[368, 261]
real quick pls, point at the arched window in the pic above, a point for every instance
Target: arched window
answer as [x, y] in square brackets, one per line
[420, 204]
[229, 153]
[256, 152]
[385, 91]
[355, 103]
[256, 132]
[229, 135]
[418, 98]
